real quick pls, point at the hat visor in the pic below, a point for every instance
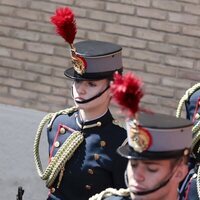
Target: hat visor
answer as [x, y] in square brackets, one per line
[72, 74]
[128, 152]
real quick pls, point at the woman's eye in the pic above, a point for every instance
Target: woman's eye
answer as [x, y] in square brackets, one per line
[92, 84]
[133, 165]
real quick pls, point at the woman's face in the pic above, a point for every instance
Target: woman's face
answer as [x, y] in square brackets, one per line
[147, 175]
[84, 90]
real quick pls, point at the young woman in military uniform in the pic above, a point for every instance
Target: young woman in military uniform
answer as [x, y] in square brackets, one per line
[83, 139]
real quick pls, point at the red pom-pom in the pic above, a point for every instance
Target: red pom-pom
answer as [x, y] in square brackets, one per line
[127, 91]
[65, 24]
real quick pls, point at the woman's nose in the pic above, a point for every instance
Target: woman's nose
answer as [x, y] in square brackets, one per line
[80, 87]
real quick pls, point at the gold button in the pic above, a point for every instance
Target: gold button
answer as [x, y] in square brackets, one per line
[96, 156]
[52, 190]
[57, 144]
[116, 122]
[98, 123]
[186, 152]
[90, 171]
[103, 143]
[88, 187]
[62, 130]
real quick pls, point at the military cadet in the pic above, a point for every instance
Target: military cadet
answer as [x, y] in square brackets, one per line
[157, 150]
[157, 159]
[83, 139]
[191, 103]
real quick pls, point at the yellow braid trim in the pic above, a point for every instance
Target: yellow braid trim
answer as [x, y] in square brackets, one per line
[63, 154]
[185, 97]
[109, 192]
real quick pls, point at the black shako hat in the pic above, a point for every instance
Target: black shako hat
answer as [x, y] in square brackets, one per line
[95, 60]
[157, 137]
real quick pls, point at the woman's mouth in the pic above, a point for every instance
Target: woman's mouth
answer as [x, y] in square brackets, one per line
[79, 99]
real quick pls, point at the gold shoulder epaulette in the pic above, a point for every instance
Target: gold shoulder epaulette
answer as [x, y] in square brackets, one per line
[61, 112]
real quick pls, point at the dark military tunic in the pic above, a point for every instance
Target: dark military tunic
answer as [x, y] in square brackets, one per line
[95, 165]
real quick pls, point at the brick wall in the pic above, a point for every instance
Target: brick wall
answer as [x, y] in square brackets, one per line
[160, 39]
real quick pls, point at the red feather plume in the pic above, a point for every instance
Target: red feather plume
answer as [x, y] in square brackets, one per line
[127, 92]
[65, 24]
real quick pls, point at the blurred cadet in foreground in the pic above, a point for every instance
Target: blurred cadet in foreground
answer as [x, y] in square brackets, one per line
[191, 103]
[157, 151]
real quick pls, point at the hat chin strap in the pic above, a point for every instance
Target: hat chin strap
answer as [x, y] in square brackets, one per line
[90, 99]
[161, 185]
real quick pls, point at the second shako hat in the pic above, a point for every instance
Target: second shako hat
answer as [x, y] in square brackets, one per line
[150, 136]
[91, 59]
[156, 137]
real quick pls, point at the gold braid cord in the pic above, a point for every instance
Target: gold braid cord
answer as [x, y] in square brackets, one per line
[109, 192]
[196, 127]
[63, 154]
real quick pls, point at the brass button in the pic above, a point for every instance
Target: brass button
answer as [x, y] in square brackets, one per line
[186, 152]
[52, 190]
[90, 171]
[88, 187]
[96, 156]
[57, 144]
[98, 123]
[116, 122]
[62, 130]
[103, 143]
